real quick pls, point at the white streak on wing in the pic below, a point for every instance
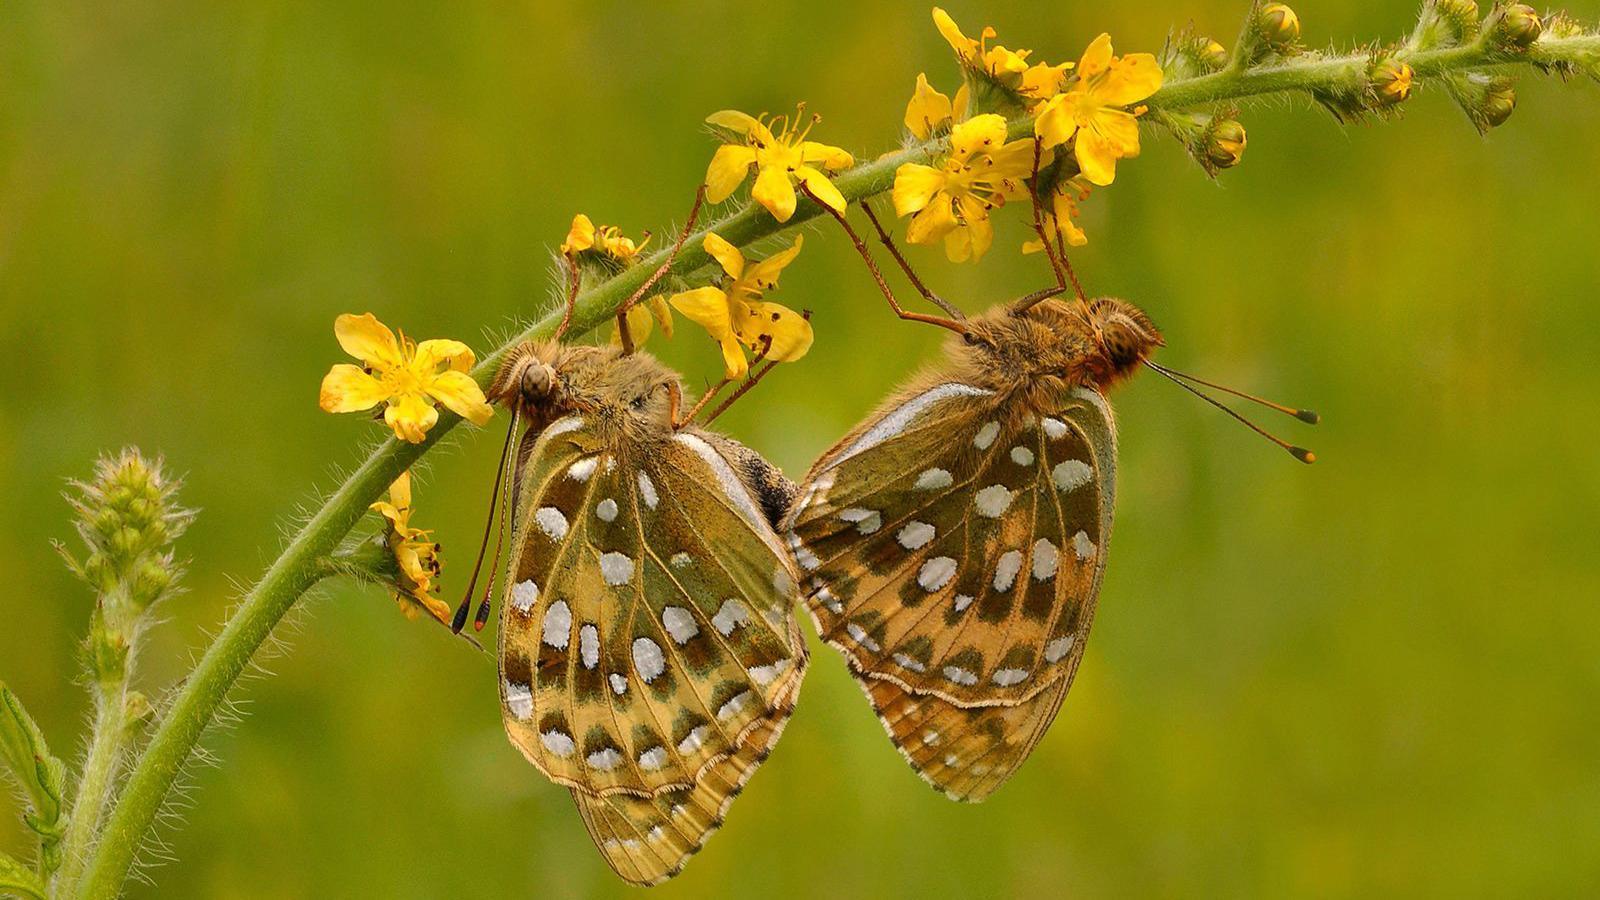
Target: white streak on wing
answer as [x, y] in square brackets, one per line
[557, 629]
[743, 503]
[1045, 560]
[589, 645]
[583, 468]
[1005, 572]
[562, 426]
[519, 699]
[653, 759]
[901, 418]
[647, 491]
[1058, 648]
[1098, 401]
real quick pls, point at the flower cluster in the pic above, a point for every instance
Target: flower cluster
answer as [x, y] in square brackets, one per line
[408, 378]
[414, 553]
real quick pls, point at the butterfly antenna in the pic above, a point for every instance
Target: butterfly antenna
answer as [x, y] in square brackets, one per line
[506, 464]
[460, 619]
[1300, 453]
[660, 272]
[1304, 415]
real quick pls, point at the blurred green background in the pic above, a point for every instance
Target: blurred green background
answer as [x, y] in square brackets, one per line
[1378, 675]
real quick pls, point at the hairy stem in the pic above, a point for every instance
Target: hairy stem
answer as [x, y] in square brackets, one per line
[301, 564]
[95, 784]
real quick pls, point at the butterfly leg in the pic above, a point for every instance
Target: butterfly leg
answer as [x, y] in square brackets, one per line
[660, 272]
[1055, 250]
[573, 278]
[877, 276]
[894, 251]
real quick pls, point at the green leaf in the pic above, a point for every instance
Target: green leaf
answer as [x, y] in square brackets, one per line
[41, 775]
[17, 881]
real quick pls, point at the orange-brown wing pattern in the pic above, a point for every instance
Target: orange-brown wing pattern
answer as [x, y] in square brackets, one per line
[952, 550]
[647, 642]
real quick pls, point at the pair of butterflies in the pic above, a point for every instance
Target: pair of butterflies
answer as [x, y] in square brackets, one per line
[951, 547]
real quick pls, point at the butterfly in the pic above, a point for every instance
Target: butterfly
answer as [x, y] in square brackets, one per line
[649, 655]
[952, 546]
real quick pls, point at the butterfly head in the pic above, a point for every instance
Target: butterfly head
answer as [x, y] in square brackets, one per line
[546, 380]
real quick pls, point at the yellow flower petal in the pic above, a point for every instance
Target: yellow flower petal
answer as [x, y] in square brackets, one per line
[914, 187]
[734, 365]
[411, 418]
[367, 339]
[1055, 124]
[820, 186]
[790, 334]
[977, 133]
[927, 109]
[431, 354]
[958, 245]
[1096, 58]
[727, 171]
[935, 221]
[639, 325]
[726, 254]
[662, 313]
[774, 191]
[461, 395]
[958, 106]
[981, 234]
[733, 120]
[706, 307]
[965, 47]
[346, 388]
[764, 274]
[832, 158]
[1043, 81]
[1130, 79]
[580, 236]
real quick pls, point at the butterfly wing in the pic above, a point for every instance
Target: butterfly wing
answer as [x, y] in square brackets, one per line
[952, 549]
[647, 644]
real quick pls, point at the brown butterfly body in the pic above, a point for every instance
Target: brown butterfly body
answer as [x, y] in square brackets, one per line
[951, 547]
[649, 656]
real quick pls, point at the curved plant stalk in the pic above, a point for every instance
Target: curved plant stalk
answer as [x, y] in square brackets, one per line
[302, 563]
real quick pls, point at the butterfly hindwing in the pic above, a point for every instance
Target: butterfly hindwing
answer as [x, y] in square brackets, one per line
[648, 648]
[952, 550]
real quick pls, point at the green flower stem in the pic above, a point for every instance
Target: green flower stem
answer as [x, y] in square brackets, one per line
[96, 782]
[301, 564]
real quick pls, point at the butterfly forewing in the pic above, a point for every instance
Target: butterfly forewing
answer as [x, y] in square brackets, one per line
[952, 550]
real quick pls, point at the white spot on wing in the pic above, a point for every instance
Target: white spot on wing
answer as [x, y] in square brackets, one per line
[734, 706]
[653, 759]
[1045, 559]
[1071, 474]
[763, 675]
[557, 629]
[647, 659]
[930, 738]
[589, 645]
[934, 480]
[647, 491]
[1008, 677]
[524, 595]
[619, 683]
[936, 573]
[551, 521]
[866, 521]
[519, 699]
[616, 568]
[898, 420]
[729, 616]
[909, 663]
[558, 742]
[993, 500]
[802, 554]
[1057, 649]
[1022, 456]
[679, 623]
[860, 636]
[1055, 429]
[681, 559]
[825, 596]
[604, 760]
[583, 468]
[1005, 571]
[962, 602]
[607, 510]
[694, 740]
[1082, 546]
[915, 535]
[960, 675]
[986, 435]
[562, 426]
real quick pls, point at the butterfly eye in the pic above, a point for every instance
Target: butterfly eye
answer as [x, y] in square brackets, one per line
[971, 338]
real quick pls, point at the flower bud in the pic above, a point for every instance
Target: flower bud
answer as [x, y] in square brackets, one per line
[1517, 27]
[1278, 26]
[1498, 103]
[1391, 81]
[1224, 144]
[1212, 55]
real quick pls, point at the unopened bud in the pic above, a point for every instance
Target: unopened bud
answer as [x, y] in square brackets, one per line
[1278, 26]
[1499, 102]
[1391, 81]
[1225, 141]
[1212, 55]
[1518, 27]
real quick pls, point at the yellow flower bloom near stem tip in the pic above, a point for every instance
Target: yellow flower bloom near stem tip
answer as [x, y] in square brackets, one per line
[415, 553]
[997, 62]
[1092, 113]
[1060, 213]
[782, 158]
[736, 315]
[605, 240]
[929, 111]
[406, 376]
[951, 201]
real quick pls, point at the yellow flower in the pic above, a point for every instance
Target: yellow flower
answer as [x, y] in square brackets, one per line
[1064, 200]
[1042, 81]
[952, 202]
[414, 552]
[736, 316]
[406, 376]
[605, 240]
[997, 62]
[1093, 110]
[781, 160]
[930, 111]
[641, 319]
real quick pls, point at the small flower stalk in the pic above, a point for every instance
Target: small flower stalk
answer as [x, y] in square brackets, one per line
[401, 557]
